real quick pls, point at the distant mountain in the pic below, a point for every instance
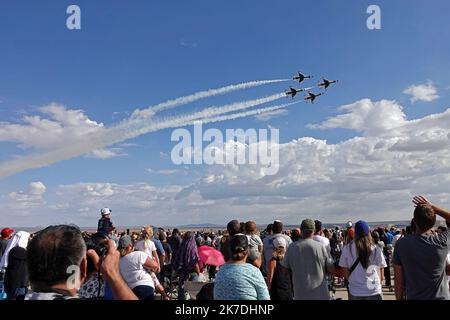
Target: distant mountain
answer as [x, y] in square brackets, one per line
[201, 225]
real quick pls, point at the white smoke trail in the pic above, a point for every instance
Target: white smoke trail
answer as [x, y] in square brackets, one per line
[245, 114]
[201, 95]
[124, 131]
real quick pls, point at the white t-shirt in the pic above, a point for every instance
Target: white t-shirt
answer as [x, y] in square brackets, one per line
[140, 246]
[395, 239]
[323, 240]
[254, 241]
[363, 282]
[133, 272]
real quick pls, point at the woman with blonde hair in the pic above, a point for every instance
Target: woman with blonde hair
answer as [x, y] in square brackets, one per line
[136, 268]
[146, 244]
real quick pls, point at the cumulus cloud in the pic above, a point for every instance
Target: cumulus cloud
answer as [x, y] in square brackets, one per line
[31, 198]
[393, 159]
[55, 127]
[422, 92]
[372, 175]
[371, 118]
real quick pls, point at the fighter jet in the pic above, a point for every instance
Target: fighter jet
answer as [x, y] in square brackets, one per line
[301, 77]
[292, 92]
[312, 96]
[326, 83]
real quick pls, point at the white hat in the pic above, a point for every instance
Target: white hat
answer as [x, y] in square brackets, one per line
[349, 224]
[105, 211]
[279, 242]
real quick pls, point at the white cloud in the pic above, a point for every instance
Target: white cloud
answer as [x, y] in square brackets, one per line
[423, 92]
[273, 114]
[161, 171]
[31, 198]
[55, 127]
[106, 153]
[370, 118]
[372, 176]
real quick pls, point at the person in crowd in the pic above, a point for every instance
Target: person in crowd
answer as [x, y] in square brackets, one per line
[268, 231]
[349, 232]
[147, 245]
[105, 224]
[134, 237]
[278, 281]
[255, 244]
[14, 262]
[309, 263]
[319, 237]
[397, 235]
[363, 264]
[233, 228]
[175, 242]
[387, 252]
[295, 234]
[217, 239]
[238, 280]
[242, 228]
[6, 234]
[336, 246]
[136, 268]
[277, 231]
[21, 239]
[376, 241]
[199, 239]
[158, 244]
[186, 262]
[166, 247]
[56, 250]
[207, 241]
[16, 275]
[420, 259]
[327, 234]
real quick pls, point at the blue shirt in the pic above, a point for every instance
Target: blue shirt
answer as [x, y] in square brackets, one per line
[389, 237]
[159, 246]
[240, 282]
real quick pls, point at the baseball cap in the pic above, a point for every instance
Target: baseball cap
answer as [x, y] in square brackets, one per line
[362, 228]
[105, 211]
[279, 242]
[6, 232]
[308, 225]
[124, 242]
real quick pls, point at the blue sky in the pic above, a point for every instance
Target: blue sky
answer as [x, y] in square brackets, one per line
[134, 55]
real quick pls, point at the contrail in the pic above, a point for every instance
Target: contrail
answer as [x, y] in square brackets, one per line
[201, 95]
[123, 131]
[245, 114]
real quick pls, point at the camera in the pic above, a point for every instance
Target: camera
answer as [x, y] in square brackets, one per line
[96, 243]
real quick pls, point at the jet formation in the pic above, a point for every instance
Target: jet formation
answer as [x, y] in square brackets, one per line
[310, 96]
